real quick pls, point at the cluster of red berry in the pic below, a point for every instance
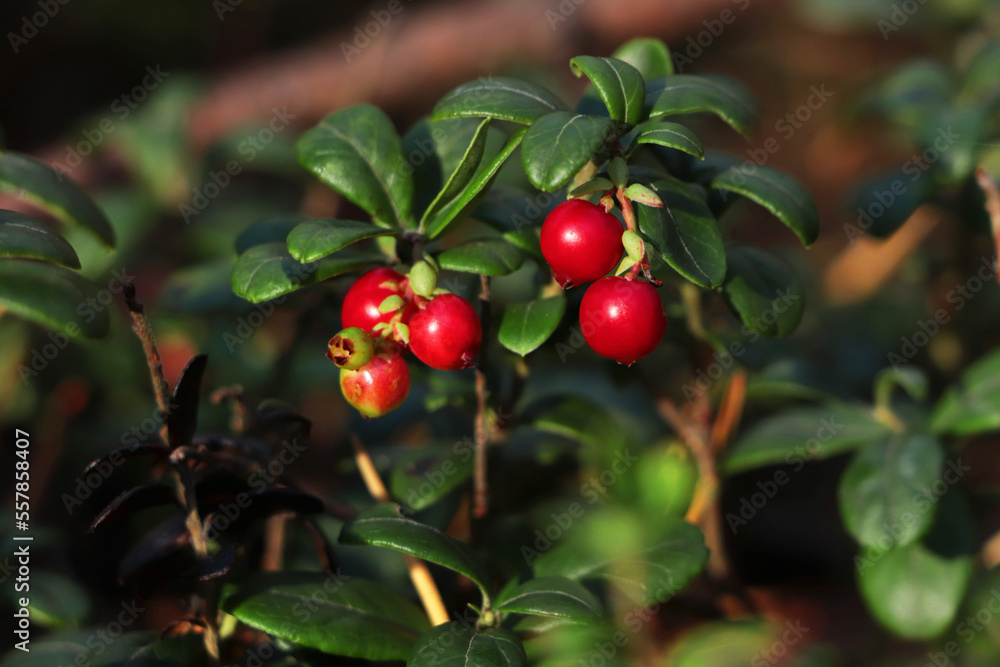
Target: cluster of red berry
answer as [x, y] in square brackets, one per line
[620, 317]
[383, 318]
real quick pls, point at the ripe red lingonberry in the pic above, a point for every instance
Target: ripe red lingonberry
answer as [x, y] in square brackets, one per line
[379, 386]
[581, 242]
[622, 319]
[360, 308]
[446, 333]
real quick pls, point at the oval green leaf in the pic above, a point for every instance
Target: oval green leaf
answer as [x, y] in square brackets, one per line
[620, 85]
[779, 193]
[490, 257]
[688, 93]
[560, 144]
[763, 292]
[330, 612]
[52, 296]
[525, 326]
[357, 152]
[23, 236]
[498, 97]
[462, 173]
[450, 646]
[671, 135]
[315, 239]
[40, 184]
[650, 56]
[427, 474]
[556, 597]
[969, 406]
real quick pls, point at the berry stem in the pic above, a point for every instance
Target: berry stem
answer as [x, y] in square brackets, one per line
[480, 484]
[628, 214]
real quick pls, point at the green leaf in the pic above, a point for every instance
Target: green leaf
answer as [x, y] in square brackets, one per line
[726, 644]
[315, 239]
[650, 563]
[620, 85]
[448, 646]
[352, 617]
[40, 184]
[465, 202]
[915, 591]
[463, 172]
[267, 271]
[559, 144]
[688, 93]
[498, 97]
[557, 597]
[56, 601]
[491, 257]
[804, 434]
[970, 405]
[671, 135]
[912, 380]
[525, 326]
[762, 291]
[357, 152]
[52, 296]
[23, 236]
[881, 205]
[650, 56]
[880, 493]
[980, 80]
[384, 526]
[427, 474]
[684, 233]
[779, 193]
[913, 94]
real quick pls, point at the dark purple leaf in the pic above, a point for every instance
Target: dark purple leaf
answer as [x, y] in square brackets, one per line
[182, 419]
[133, 500]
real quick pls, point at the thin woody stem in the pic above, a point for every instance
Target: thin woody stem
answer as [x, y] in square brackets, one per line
[480, 483]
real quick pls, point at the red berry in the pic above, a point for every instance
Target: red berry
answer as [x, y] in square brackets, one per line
[622, 319]
[581, 242]
[378, 387]
[446, 333]
[362, 300]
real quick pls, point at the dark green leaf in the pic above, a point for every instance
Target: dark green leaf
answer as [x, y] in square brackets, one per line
[23, 236]
[40, 184]
[684, 233]
[804, 434]
[315, 239]
[267, 271]
[913, 94]
[52, 296]
[449, 646]
[970, 405]
[491, 257]
[525, 326]
[352, 617]
[880, 493]
[779, 193]
[462, 173]
[650, 56]
[879, 207]
[498, 97]
[557, 597]
[357, 152]
[559, 144]
[688, 93]
[619, 84]
[762, 291]
[384, 526]
[427, 474]
[672, 135]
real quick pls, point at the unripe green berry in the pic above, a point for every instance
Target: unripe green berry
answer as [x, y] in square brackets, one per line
[351, 348]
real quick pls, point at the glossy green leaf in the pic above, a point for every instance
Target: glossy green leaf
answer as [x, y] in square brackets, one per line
[915, 591]
[357, 152]
[620, 85]
[969, 406]
[40, 184]
[451, 646]
[881, 492]
[267, 271]
[559, 144]
[344, 616]
[779, 193]
[688, 93]
[427, 474]
[796, 436]
[728, 644]
[466, 201]
[23, 236]
[762, 291]
[385, 526]
[684, 233]
[52, 296]
[315, 239]
[650, 56]
[462, 173]
[557, 597]
[491, 257]
[671, 135]
[525, 326]
[498, 97]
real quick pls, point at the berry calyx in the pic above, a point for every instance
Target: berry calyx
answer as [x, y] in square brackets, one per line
[351, 348]
[446, 333]
[622, 319]
[581, 242]
[361, 303]
[379, 386]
